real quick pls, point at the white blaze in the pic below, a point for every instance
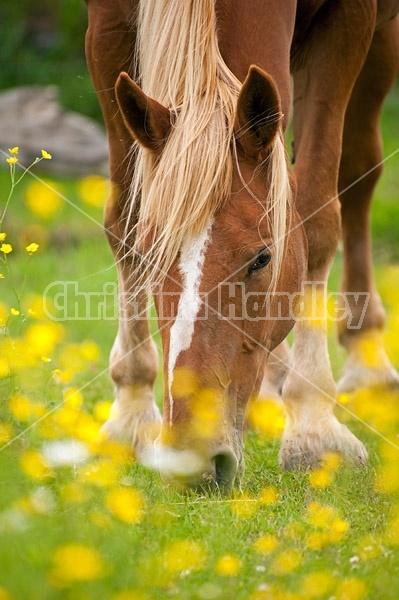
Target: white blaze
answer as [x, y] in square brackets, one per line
[192, 256]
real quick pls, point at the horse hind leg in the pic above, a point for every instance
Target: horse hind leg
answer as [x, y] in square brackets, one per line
[323, 80]
[275, 372]
[361, 331]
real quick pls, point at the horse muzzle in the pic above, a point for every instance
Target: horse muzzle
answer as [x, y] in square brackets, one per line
[190, 470]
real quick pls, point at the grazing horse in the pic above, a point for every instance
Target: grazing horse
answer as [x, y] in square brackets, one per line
[206, 213]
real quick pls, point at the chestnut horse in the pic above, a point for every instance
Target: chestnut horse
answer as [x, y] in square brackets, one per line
[205, 212]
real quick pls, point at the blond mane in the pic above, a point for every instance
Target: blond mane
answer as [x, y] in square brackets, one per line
[178, 63]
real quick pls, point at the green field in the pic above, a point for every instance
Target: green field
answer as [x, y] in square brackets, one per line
[107, 528]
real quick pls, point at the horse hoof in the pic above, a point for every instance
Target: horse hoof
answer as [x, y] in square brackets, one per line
[137, 428]
[305, 449]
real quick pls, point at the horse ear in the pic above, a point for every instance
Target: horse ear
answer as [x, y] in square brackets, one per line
[258, 113]
[146, 119]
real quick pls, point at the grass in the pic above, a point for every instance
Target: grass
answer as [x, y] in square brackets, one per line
[63, 533]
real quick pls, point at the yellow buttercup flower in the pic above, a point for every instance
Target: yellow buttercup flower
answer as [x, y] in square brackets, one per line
[319, 583]
[102, 474]
[32, 248]
[320, 478]
[228, 565]
[352, 588]
[77, 562]
[34, 465]
[184, 555]
[268, 495]
[94, 190]
[14, 312]
[6, 248]
[265, 544]
[46, 359]
[286, 562]
[46, 155]
[12, 160]
[2, 236]
[1, 276]
[14, 150]
[126, 504]
[43, 198]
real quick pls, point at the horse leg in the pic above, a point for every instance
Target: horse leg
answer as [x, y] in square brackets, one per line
[134, 360]
[326, 68]
[361, 331]
[275, 372]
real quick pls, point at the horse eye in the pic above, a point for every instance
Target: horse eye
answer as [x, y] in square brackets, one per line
[262, 259]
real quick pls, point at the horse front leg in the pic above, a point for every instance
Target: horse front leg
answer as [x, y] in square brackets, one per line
[135, 418]
[322, 85]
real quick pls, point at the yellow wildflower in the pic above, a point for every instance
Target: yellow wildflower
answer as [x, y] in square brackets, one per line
[102, 410]
[183, 556]
[351, 589]
[268, 495]
[94, 190]
[46, 359]
[4, 366]
[331, 461]
[32, 248]
[14, 312]
[89, 350]
[387, 480]
[319, 583]
[228, 565]
[62, 376]
[42, 337]
[1, 276]
[73, 398]
[2, 236]
[338, 528]
[286, 562]
[321, 516]
[320, 478]
[25, 410]
[102, 473]
[43, 198]
[267, 418]
[265, 544]
[12, 160]
[76, 562]
[317, 540]
[6, 248]
[127, 504]
[46, 155]
[14, 150]
[34, 465]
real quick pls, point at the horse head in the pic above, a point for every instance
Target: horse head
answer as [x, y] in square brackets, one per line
[224, 302]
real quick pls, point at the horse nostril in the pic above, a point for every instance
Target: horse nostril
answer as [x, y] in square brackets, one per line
[225, 470]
